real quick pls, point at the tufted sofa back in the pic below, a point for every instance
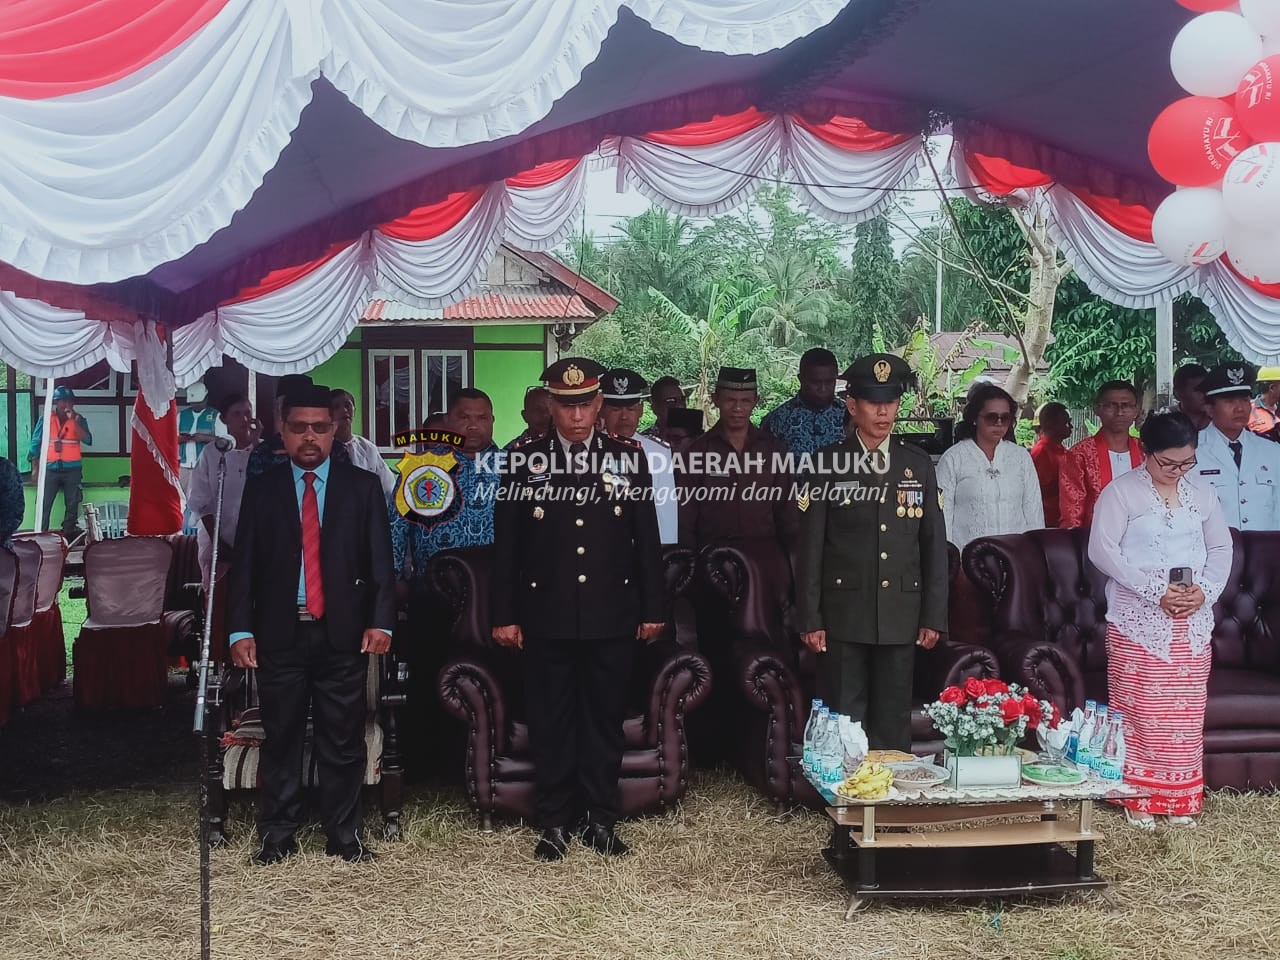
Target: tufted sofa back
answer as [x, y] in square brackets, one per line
[1246, 633]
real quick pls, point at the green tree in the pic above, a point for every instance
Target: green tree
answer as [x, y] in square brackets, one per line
[868, 294]
[797, 310]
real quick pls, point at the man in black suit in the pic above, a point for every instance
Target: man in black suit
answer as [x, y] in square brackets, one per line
[577, 583]
[311, 595]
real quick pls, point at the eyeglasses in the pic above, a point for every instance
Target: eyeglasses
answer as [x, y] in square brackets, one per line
[997, 419]
[1175, 466]
[300, 427]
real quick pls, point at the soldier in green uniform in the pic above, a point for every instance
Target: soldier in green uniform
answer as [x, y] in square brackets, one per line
[872, 565]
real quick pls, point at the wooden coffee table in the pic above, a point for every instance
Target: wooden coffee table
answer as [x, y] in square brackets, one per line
[882, 850]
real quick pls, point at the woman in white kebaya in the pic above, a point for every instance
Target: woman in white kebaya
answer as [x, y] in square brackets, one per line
[989, 485]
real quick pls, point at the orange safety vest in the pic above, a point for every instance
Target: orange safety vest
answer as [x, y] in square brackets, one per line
[1262, 420]
[64, 442]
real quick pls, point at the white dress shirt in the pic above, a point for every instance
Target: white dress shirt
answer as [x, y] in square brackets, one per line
[1250, 495]
[987, 498]
[202, 499]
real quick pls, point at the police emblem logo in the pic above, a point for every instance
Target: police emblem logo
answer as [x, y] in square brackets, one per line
[882, 369]
[1235, 376]
[907, 473]
[538, 513]
[574, 376]
[620, 385]
[428, 489]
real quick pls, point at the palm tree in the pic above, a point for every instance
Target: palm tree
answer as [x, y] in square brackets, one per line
[656, 251]
[727, 303]
[800, 304]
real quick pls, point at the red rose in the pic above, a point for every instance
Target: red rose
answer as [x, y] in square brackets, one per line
[974, 688]
[995, 686]
[953, 695]
[1031, 707]
[1011, 710]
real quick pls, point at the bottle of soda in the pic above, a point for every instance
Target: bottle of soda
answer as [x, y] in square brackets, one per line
[810, 730]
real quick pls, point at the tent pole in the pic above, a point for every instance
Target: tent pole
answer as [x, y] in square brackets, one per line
[937, 296]
[1164, 354]
[43, 462]
[253, 393]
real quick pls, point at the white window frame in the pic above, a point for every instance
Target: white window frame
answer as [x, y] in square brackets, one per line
[462, 356]
[391, 355]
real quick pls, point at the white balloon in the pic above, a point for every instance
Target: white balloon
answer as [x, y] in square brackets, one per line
[1263, 15]
[1213, 52]
[1190, 226]
[1254, 252]
[1251, 187]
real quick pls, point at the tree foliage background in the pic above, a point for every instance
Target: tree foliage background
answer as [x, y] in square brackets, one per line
[760, 286]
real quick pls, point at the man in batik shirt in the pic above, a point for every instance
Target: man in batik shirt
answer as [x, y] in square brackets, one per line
[813, 418]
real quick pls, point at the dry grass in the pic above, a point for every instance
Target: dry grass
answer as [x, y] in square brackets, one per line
[113, 877]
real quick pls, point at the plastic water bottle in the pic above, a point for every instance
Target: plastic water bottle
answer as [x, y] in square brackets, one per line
[810, 731]
[1111, 766]
[829, 748]
[1099, 738]
[1081, 756]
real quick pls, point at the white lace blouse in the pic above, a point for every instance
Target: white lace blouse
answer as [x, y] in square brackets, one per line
[1136, 540]
[986, 498]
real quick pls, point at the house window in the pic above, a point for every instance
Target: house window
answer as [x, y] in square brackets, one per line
[406, 386]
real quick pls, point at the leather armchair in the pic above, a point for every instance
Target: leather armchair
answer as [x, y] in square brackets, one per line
[1049, 632]
[774, 675]
[482, 686]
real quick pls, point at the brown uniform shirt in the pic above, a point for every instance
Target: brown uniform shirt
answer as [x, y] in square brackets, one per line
[748, 494]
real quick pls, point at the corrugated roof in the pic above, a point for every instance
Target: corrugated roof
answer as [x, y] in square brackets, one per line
[514, 303]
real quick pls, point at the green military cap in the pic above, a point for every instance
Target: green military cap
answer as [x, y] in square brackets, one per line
[622, 387]
[736, 378]
[573, 379]
[879, 377]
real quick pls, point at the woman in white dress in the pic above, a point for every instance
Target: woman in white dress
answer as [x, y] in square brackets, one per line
[989, 485]
[1159, 535]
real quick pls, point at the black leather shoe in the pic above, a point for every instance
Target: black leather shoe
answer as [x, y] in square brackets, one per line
[351, 852]
[603, 840]
[553, 844]
[269, 853]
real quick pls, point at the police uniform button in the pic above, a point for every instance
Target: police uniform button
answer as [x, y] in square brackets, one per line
[884, 556]
[582, 578]
[838, 581]
[884, 584]
[625, 581]
[581, 551]
[533, 583]
[884, 527]
[578, 522]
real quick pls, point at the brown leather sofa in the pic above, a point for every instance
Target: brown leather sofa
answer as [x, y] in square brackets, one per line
[1049, 632]
[774, 674]
[481, 685]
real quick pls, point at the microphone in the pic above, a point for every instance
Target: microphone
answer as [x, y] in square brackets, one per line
[222, 444]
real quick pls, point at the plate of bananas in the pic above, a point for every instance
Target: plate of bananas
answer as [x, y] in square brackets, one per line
[871, 781]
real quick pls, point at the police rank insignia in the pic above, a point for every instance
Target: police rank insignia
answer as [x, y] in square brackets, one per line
[428, 488]
[538, 513]
[941, 500]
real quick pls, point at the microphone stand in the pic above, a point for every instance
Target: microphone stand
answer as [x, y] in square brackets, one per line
[202, 703]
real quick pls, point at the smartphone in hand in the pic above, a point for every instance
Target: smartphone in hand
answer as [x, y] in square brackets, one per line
[1180, 576]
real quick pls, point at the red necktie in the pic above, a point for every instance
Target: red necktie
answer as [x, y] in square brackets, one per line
[311, 547]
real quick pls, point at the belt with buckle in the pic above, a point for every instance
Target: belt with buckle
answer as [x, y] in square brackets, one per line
[305, 616]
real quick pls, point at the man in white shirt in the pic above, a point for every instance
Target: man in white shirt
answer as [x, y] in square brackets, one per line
[364, 454]
[1243, 467]
[624, 394]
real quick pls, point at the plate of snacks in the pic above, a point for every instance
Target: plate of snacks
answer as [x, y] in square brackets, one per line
[871, 781]
[1051, 775]
[890, 756]
[918, 775]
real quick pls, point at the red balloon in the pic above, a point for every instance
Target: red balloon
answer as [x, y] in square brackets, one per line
[1258, 100]
[1194, 139]
[1207, 6]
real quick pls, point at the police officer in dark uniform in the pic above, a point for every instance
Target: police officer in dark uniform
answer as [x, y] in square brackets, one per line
[872, 578]
[577, 583]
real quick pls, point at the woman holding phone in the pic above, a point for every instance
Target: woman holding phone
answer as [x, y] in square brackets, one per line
[1159, 536]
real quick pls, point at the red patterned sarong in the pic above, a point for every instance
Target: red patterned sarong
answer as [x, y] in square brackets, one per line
[1163, 705]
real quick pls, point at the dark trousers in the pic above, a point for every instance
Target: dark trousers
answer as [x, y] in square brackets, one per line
[576, 694]
[312, 674]
[70, 481]
[871, 683]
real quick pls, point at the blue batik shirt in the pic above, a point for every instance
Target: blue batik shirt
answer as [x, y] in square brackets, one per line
[478, 477]
[803, 429]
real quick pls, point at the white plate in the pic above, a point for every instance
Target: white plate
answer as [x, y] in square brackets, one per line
[893, 794]
[940, 775]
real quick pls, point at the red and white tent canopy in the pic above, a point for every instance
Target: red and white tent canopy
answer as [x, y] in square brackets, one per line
[250, 173]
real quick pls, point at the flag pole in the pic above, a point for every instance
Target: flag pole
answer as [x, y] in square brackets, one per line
[43, 461]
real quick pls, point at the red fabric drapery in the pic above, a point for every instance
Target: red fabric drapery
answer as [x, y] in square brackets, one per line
[716, 130]
[277, 279]
[1131, 219]
[544, 174]
[50, 48]
[852, 134]
[434, 219]
[1000, 177]
[155, 507]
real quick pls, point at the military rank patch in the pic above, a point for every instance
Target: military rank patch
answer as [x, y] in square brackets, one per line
[941, 501]
[802, 501]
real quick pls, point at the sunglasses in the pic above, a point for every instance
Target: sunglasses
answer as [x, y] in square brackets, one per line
[997, 419]
[300, 427]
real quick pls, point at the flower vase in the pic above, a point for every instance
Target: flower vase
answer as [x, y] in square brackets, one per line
[992, 770]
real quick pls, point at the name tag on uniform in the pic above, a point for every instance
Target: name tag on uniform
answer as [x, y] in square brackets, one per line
[1210, 473]
[538, 477]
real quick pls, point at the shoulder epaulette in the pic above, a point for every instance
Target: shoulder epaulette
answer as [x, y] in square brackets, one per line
[627, 441]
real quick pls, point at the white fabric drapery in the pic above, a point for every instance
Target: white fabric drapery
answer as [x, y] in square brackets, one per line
[111, 182]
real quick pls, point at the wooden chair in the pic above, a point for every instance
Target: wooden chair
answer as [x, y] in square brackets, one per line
[121, 654]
